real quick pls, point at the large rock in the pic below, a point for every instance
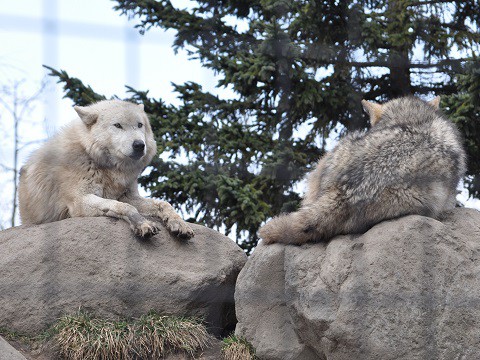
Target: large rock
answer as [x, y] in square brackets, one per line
[8, 352]
[99, 265]
[406, 289]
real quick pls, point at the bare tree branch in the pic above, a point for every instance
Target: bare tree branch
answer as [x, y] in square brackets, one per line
[28, 143]
[34, 97]
[413, 65]
[428, 2]
[18, 106]
[6, 168]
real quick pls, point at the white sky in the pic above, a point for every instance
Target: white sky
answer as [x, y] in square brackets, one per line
[91, 46]
[95, 44]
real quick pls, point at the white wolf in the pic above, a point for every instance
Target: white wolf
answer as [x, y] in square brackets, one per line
[90, 168]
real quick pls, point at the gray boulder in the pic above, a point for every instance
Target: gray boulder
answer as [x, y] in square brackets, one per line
[406, 289]
[8, 352]
[97, 264]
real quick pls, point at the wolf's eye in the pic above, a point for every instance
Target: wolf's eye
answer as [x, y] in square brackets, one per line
[140, 125]
[117, 125]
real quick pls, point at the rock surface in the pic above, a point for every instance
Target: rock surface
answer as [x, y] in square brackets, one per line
[97, 264]
[406, 289]
[8, 352]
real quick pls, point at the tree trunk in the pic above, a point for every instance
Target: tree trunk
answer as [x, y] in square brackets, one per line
[400, 73]
[15, 164]
[399, 62]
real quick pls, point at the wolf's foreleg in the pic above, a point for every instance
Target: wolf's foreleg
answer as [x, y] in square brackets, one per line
[93, 205]
[163, 210]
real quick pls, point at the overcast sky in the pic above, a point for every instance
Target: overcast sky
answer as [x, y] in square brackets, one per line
[91, 41]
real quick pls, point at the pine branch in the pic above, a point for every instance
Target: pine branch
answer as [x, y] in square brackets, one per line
[411, 65]
[75, 89]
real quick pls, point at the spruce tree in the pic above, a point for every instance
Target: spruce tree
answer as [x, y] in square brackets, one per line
[299, 71]
[464, 108]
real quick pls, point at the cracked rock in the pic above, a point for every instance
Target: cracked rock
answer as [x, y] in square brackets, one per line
[406, 289]
[97, 264]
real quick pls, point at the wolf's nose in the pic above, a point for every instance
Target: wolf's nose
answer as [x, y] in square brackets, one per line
[138, 145]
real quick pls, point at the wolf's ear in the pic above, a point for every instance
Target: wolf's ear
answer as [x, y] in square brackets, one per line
[88, 116]
[374, 110]
[141, 106]
[435, 102]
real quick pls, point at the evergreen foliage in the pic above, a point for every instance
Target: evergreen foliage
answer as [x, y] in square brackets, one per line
[464, 108]
[299, 70]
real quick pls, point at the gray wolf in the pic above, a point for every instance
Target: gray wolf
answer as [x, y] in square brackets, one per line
[90, 168]
[409, 162]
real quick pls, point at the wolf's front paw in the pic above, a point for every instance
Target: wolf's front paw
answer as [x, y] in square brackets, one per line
[180, 229]
[145, 228]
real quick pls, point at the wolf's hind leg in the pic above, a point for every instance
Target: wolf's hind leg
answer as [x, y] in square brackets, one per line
[294, 228]
[92, 205]
[317, 221]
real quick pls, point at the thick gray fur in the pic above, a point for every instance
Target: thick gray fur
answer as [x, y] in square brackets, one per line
[409, 162]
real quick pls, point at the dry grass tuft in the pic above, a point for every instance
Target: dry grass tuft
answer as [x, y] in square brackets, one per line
[13, 335]
[82, 336]
[235, 348]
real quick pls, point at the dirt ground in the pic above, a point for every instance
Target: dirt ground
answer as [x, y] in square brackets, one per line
[47, 352]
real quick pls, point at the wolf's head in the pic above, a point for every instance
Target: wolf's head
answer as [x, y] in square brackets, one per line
[399, 110]
[118, 133]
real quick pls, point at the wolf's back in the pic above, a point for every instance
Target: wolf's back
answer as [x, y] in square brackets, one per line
[414, 155]
[39, 195]
[409, 163]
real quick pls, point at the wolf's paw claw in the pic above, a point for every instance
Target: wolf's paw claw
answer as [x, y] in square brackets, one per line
[146, 228]
[180, 229]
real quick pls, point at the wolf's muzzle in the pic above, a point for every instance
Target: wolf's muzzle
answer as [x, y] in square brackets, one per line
[138, 149]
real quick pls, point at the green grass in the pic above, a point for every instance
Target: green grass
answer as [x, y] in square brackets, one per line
[82, 336]
[12, 335]
[237, 348]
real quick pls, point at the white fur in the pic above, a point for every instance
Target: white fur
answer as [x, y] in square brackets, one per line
[90, 168]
